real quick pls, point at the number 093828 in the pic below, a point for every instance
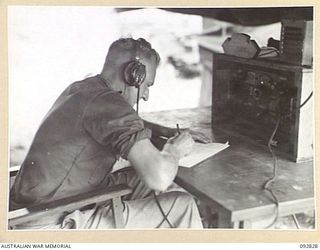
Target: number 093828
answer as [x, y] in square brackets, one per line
[309, 245]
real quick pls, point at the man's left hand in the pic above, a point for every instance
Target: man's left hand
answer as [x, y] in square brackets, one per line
[199, 137]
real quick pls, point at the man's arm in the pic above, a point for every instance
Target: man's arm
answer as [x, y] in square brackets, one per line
[159, 130]
[158, 168]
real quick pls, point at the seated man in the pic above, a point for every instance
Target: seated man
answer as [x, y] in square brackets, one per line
[91, 126]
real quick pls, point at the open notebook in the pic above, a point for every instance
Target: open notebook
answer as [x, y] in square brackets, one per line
[201, 152]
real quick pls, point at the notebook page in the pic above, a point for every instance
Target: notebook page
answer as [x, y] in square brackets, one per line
[200, 152]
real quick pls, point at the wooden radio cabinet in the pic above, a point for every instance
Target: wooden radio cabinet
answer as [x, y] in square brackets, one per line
[251, 96]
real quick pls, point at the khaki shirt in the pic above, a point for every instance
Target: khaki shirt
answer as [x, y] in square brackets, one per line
[87, 129]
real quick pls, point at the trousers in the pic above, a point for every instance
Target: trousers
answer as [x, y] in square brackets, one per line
[141, 210]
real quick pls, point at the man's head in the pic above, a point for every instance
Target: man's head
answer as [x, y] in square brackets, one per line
[131, 63]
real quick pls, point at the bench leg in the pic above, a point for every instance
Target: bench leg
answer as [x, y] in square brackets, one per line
[117, 212]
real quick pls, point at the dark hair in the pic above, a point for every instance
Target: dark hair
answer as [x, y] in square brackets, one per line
[140, 46]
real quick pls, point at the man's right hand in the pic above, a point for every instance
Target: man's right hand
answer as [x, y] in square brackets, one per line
[183, 143]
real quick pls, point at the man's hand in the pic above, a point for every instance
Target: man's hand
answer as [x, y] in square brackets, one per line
[183, 143]
[198, 136]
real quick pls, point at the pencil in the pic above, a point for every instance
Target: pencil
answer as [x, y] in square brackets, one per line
[178, 129]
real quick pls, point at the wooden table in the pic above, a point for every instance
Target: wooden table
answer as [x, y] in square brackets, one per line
[231, 182]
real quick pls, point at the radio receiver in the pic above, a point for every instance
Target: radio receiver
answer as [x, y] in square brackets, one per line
[250, 96]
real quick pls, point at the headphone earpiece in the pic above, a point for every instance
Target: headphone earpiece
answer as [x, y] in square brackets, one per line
[134, 73]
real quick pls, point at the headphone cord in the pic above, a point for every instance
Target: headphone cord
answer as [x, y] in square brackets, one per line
[138, 98]
[165, 216]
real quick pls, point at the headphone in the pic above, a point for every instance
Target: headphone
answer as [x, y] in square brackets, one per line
[134, 73]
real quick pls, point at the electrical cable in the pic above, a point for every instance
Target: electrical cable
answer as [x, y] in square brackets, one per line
[165, 216]
[300, 106]
[296, 222]
[308, 98]
[269, 52]
[271, 179]
[271, 143]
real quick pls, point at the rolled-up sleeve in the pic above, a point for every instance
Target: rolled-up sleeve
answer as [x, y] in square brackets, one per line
[111, 121]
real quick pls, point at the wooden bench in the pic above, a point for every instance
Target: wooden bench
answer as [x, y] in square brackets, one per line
[69, 204]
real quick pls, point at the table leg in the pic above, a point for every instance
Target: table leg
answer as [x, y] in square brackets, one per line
[215, 216]
[245, 224]
[224, 220]
[117, 208]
